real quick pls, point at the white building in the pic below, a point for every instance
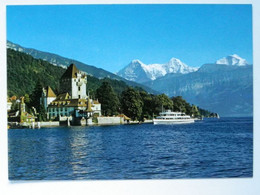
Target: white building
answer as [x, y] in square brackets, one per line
[74, 82]
[72, 103]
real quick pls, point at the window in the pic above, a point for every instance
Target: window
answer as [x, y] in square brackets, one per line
[79, 88]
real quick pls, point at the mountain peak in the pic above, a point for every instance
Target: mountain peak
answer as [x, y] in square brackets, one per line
[136, 61]
[140, 72]
[232, 60]
[174, 60]
[235, 56]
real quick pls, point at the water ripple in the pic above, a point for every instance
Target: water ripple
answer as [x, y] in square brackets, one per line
[207, 149]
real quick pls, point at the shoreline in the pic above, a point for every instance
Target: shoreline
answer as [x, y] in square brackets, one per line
[38, 125]
[49, 124]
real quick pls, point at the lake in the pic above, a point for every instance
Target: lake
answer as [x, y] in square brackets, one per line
[212, 148]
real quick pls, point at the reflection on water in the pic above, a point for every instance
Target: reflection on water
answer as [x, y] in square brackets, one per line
[207, 149]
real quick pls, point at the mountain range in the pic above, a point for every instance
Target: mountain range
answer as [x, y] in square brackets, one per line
[139, 72]
[225, 87]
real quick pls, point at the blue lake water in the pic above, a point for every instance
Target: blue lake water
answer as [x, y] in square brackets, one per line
[216, 148]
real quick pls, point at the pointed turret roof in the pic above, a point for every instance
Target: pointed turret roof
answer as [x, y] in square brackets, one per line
[49, 92]
[70, 72]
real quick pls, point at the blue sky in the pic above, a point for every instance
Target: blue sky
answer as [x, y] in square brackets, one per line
[110, 36]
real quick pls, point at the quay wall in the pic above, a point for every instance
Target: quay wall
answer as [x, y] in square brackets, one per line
[49, 123]
[110, 120]
[14, 125]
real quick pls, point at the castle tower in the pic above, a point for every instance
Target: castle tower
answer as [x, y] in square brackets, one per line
[74, 82]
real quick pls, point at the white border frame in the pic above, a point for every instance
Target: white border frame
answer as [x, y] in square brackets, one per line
[175, 186]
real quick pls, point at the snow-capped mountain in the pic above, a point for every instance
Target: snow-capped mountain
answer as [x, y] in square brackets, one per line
[134, 72]
[140, 72]
[226, 63]
[225, 86]
[232, 60]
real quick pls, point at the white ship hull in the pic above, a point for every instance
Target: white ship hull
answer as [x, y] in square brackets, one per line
[172, 121]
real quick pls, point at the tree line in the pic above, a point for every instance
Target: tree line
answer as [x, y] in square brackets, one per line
[139, 105]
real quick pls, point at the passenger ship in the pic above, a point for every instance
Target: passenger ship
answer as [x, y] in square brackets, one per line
[169, 117]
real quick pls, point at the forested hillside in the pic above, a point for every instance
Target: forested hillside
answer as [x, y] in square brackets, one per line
[24, 71]
[65, 62]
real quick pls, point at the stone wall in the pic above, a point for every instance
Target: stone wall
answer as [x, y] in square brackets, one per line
[48, 123]
[110, 120]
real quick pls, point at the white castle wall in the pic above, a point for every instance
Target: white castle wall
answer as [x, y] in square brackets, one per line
[110, 120]
[97, 109]
[50, 99]
[49, 123]
[76, 83]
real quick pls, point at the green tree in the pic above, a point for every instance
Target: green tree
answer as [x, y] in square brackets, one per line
[204, 113]
[42, 114]
[160, 102]
[148, 108]
[132, 104]
[36, 95]
[180, 105]
[108, 99]
[194, 111]
[166, 102]
[37, 102]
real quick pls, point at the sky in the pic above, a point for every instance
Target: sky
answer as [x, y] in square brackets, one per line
[111, 36]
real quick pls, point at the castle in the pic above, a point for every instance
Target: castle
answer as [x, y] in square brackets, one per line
[72, 105]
